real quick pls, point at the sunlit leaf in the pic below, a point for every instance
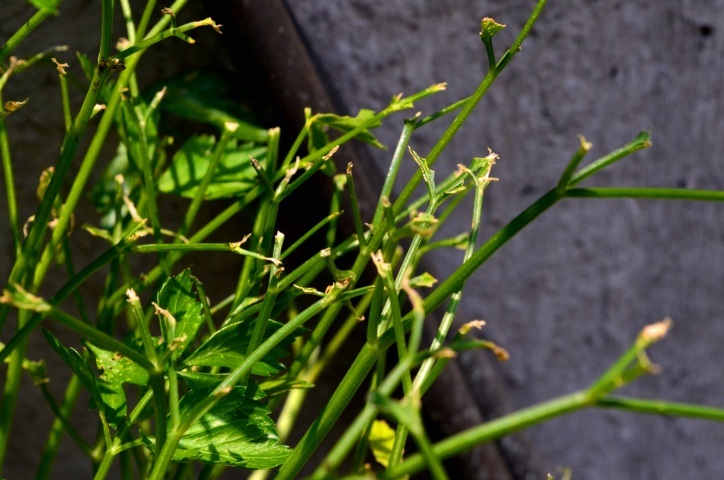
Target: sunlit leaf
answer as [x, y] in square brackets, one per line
[115, 371]
[237, 431]
[423, 280]
[227, 348]
[381, 438]
[234, 175]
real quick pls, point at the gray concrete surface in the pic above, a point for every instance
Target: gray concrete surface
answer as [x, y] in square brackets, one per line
[572, 291]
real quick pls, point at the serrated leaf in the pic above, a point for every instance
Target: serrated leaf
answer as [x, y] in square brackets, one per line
[177, 295]
[237, 431]
[80, 367]
[227, 347]
[234, 175]
[345, 124]
[115, 371]
[380, 441]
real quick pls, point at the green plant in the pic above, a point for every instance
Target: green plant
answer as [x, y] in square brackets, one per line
[195, 380]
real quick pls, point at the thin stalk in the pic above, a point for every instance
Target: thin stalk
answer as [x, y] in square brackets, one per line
[70, 145]
[346, 442]
[10, 195]
[369, 354]
[59, 427]
[116, 447]
[146, 17]
[64, 420]
[65, 99]
[300, 241]
[393, 170]
[339, 182]
[515, 48]
[297, 142]
[138, 149]
[660, 407]
[27, 28]
[229, 129]
[32, 243]
[171, 32]
[648, 193]
[441, 113]
[92, 154]
[470, 105]
[237, 206]
[359, 228]
[573, 164]
[497, 428]
[270, 297]
[128, 19]
[354, 377]
[451, 309]
[13, 376]
[642, 140]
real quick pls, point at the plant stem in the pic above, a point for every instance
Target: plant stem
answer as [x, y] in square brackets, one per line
[27, 28]
[660, 407]
[648, 193]
[171, 32]
[643, 140]
[193, 209]
[507, 424]
[10, 196]
[72, 392]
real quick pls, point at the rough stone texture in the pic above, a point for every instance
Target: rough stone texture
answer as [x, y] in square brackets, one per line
[570, 293]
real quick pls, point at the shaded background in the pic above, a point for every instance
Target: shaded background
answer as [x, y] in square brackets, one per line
[570, 293]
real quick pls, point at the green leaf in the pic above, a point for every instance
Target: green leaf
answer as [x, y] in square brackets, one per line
[237, 431]
[424, 280]
[178, 296]
[115, 371]
[227, 347]
[211, 97]
[381, 438]
[234, 176]
[80, 367]
[346, 124]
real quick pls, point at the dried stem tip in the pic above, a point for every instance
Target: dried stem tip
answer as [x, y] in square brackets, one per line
[489, 27]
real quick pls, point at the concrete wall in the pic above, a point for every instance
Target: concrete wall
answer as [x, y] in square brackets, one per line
[571, 292]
